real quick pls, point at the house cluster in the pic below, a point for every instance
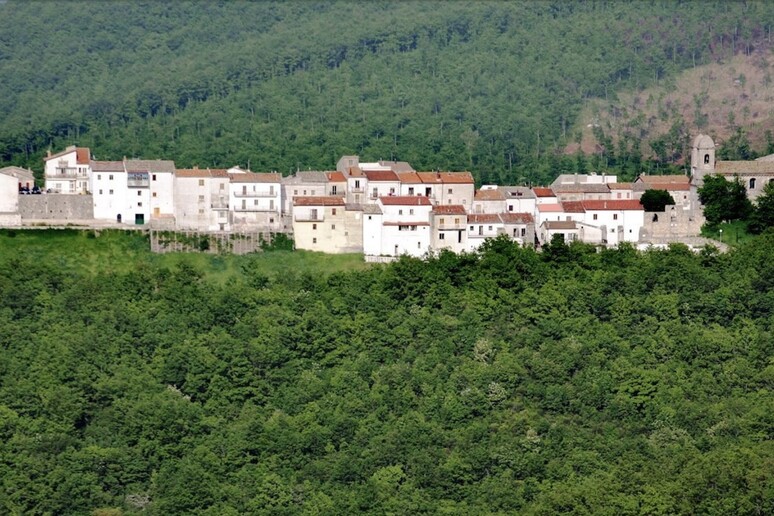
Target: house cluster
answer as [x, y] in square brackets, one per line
[382, 209]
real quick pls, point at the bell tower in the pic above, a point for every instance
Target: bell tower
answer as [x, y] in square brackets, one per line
[702, 159]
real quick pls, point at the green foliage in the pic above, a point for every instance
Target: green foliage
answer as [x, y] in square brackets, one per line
[656, 200]
[502, 381]
[278, 84]
[724, 200]
[278, 242]
[763, 214]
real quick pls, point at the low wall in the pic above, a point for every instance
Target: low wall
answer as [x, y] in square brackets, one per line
[62, 207]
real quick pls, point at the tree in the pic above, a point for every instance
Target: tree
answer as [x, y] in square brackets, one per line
[763, 214]
[656, 200]
[724, 200]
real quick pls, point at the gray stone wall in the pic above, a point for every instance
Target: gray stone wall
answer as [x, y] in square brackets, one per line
[59, 207]
[674, 224]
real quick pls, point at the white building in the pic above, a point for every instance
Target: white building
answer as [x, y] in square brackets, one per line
[9, 199]
[449, 228]
[620, 221]
[381, 183]
[519, 199]
[202, 199]
[405, 225]
[256, 201]
[489, 199]
[68, 171]
[448, 187]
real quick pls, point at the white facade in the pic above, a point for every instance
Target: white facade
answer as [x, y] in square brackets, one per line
[620, 220]
[405, 225]
[256, 200]
[69, 171]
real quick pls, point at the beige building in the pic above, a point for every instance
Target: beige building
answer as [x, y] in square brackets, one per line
[449, 228]
[326, 224]
[202, 199]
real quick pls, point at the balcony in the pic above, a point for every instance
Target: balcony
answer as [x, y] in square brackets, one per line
[455, 227]
[218, 204]
[357, 189]
[138, 183]
[66, 173]
[308, 218]
[255, 209]
[255, 194]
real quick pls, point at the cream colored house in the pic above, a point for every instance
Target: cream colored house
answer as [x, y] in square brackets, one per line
[449, 228]
[325, 224]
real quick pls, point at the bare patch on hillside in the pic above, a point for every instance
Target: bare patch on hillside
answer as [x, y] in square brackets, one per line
[714, 99]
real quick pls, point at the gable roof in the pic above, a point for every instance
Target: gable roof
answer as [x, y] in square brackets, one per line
[193, 172]
[409, 177]
[573, 207]
[149, 165]
[560, 224]
[336, 177]
[405, 200]
[543, 192]
[616, 205]
[517, 218]
[82, 154]
[620, 186]
[581, 188]
[449, 209]
[490, 194]
[517, 192]
[550, 207]
[381, 175]
[323, 200]
[17, 172]
[484, 218]
[107, 166]
[446, 177]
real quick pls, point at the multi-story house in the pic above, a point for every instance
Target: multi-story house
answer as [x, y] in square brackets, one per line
[69, 171]
[519, 199]
[489, 199]
[202, 199]
[381, 183]
[325, 224]
[404, 226]
[448, 187]
[255, 200]
[449, 228]
[620, 221]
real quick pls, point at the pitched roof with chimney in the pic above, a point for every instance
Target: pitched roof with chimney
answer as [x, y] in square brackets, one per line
[405, 200]
[449, 209]
[256, 177]
[411, 178]
[616, 205]
[446, 177]
[381, 175]
[335, 177]
[322, 200]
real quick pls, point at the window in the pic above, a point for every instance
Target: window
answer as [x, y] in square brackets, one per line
[375, 193]
[411, 211]
[450, 191]
[314, 226]
[333, 211]
[139, 204]
[706, 159]
[222, 186]
[304, 192]
[110, 192]
[314, 240]
[333, 190]
[456, 220]
[295, 192]
[413, 228]
[490, 228]
[271, 189]
[110, 177]
[100, 191]
[201, 211]
[333, 226]
[201, 182]
[255, 202]
[752, 183]
[471, 228]
[392, 191]
[619, 195]
[271, 221]
[154, 194]
[594, 217]
[154, 177]
[510, 207]
[99, 177]
[271, 204]
[369, 217]
[139, 193]
[615, 216]
[441, 236]
[400, 212]
[523, 231]
[201, 198]
[419, 245]
[441, 221]
[357, 183]
[411, 190]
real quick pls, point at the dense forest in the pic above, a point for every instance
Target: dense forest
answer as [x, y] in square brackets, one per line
[501, 382]
[492, 87]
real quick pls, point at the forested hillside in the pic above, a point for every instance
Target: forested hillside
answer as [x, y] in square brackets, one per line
[507, 382]
[493, 87]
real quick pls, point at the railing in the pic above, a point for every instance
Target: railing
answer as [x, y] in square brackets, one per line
[308, 218]
[66, 173]
[461, 225]
[219, 205]
[357, 189]
[255, 194]
[255, 208]
[137, 183]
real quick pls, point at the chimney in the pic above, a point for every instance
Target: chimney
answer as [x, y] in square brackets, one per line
[48, 153]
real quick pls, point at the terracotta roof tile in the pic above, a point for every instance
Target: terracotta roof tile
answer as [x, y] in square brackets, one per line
[336, 177]
[620, 186]
[192, 172]
[449, 209]
[446, 177]
[328, 200]
[409, 177]
[484, 218]
[256, 177]
[573, 207]
[381, 175]
[617, 205]
[517, 218]
[553, 207]
[82, 154]
[543, 192]
[490, 194]
[107, 166]
[405, 200]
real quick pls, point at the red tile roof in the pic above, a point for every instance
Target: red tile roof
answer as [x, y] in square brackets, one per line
[328, 200]
[517, 218]
[617, 205]
[573, 207]
[409, 177]
[405, 200]
[543, 192]
[449, 209]
[82, 154]
[335, 177]
[490, 194]
[381, 175]
[550, 207]
[446, 177]
[193, 172]
[484, 218]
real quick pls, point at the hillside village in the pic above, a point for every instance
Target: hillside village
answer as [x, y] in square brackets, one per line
[382, 209]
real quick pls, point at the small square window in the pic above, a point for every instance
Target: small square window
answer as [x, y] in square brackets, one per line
[333, 226]
[154, 194]
[411, 211]
[201, 211]
[333, 211]
[201, 182]
[110, 177]
[314, 226]
[139, 193]
[201, 198]
[139, 204]
[450, 191]
[154, 177]
[99, 177]
[100, 191]
[400, 212]
[615, 216]
[111, 192]
[441, 236]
